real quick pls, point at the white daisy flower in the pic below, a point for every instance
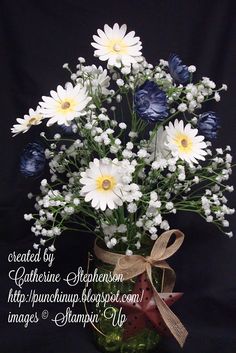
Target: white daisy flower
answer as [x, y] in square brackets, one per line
[65, 104]
[33, 118]
[119, 48]
[103, 184]
[184, 142]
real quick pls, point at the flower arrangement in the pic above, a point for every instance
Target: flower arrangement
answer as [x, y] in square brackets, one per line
[133, 145]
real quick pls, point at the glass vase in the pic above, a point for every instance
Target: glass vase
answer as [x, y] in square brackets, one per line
[111, 336]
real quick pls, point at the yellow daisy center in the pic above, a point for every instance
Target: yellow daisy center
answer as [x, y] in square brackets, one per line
[183, 142]
[34, 120]
[105, 183]
[66, 106]
[117, 46]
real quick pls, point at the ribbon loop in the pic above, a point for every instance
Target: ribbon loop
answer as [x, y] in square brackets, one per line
[130, 266]
[161, 250]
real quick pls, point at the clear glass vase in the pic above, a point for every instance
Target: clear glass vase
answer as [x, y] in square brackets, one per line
[113, 337]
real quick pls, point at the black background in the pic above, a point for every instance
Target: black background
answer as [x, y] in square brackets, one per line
[36, 38]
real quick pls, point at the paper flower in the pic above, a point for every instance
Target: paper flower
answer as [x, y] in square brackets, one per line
[208, 125]
[178, 71]
[141, 172]
[65, 104]
[117, 47]
[150, 102]
[33, 118]
[98, 80]
[184, 142]
[68, 129]
[102, 184]
[32, 161]
[158, 146]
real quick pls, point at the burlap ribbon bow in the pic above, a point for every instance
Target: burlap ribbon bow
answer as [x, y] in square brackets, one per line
[134, 265]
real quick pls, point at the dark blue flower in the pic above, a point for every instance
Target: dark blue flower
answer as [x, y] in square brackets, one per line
[208, 125]
[178, 71]
[67, 130]
[150, 102]
[32, 161]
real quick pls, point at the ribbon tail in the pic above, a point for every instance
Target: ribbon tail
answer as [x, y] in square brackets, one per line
[175, 326]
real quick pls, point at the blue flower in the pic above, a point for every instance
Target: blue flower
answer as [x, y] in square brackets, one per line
[208, 125]
[178, 71]
[32, 161]
[67, 130]
[150, 102]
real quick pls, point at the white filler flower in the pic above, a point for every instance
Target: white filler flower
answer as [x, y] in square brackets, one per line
[103, 184]
[114, 45]
[64, 104]
[184, 142]
[34, 118]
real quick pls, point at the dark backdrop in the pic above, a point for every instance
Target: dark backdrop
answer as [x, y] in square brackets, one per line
[36, 38]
